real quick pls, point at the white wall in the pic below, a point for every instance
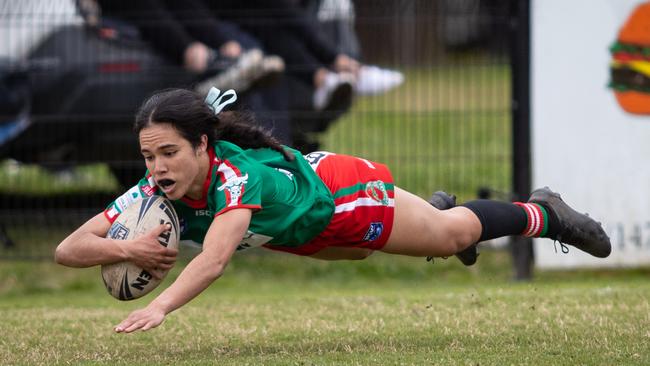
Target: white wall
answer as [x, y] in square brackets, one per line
[584, 145]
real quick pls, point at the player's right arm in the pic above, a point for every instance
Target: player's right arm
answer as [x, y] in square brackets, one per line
[88, 246]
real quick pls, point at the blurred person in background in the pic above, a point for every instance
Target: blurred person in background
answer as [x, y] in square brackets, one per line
[259, 193]
[219, 52]
[322, 68]
[285, 29]
[187, 34]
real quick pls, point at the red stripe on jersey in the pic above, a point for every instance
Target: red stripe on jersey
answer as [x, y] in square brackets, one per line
[252, 207]
[203, 202]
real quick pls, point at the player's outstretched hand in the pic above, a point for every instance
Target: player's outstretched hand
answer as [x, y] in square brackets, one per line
[143, 319]
[147, 253]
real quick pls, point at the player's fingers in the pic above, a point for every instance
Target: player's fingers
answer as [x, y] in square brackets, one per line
[123, 325]
[155, 232]
[156, 273]
[170, 252]
[165, 266]
[167, 260]
[135, 326]
[150, 325]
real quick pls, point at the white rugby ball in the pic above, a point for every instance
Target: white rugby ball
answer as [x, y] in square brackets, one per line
[125, 280]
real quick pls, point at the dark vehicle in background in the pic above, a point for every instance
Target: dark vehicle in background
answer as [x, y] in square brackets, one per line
[73, 98]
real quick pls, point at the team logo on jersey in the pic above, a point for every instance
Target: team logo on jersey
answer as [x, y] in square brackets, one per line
[377, 191]
[374, 231]
[234, 186]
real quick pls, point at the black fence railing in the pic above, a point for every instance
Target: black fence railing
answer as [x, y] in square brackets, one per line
[70, 89]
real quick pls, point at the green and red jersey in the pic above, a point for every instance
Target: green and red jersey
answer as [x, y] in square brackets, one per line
[291, 204]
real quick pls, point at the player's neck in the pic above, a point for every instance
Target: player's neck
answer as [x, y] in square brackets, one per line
[196, 189]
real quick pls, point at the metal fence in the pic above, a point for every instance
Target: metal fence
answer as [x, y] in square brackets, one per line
[70, 92]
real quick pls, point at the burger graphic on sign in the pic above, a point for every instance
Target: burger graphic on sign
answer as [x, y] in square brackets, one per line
[630, 67]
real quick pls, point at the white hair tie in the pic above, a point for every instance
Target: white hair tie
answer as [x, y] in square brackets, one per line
[215, 99]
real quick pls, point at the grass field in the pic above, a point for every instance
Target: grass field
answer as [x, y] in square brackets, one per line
[442, 130]
[280, 309]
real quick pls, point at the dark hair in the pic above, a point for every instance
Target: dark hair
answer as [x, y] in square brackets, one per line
[187, 112]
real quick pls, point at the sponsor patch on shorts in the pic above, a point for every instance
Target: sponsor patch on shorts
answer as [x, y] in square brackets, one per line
[374, 231]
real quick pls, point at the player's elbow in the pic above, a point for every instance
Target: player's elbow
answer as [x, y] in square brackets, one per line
[64, 255]
[217, 271]
[61, 256]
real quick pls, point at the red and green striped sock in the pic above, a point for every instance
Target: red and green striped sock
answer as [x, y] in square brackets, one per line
[538, 222]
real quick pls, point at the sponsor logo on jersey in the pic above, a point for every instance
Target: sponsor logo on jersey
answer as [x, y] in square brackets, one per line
[253, 240]
[285, 172]
[125, 200]
[315, 158]
[112, 212]
[150, 188]
[203, 213]
[377, 191]
[374, 231]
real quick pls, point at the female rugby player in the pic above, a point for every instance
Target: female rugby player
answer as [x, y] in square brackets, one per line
[235, 187]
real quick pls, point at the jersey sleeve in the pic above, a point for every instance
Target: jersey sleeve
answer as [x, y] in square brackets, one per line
[238, 187]
[146, 187]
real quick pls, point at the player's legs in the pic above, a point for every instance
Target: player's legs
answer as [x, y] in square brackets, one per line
[420, 229]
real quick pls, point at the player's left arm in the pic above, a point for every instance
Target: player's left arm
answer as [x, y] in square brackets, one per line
[221, 241]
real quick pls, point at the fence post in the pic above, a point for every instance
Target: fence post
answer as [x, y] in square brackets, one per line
[521, 248]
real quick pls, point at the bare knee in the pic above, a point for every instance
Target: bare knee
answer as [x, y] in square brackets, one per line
[460, 230]
[459, 240]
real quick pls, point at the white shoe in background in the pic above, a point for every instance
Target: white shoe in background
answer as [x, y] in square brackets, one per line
[249, 70]
[335, 93]
[373, 80]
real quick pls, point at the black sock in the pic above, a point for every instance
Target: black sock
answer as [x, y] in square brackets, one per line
[553, 223]
[498, 218]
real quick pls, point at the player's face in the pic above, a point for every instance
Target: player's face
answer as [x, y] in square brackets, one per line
[175, 165]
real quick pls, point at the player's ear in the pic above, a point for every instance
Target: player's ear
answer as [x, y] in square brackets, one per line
[203, 146]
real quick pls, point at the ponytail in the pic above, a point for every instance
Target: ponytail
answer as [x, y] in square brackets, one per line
[240, 129]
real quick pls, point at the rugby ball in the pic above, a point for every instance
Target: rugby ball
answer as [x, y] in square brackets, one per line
[125, 280]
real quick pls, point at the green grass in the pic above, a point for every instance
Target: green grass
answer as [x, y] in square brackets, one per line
[31, 179]
[280, 309]
[444, 128]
